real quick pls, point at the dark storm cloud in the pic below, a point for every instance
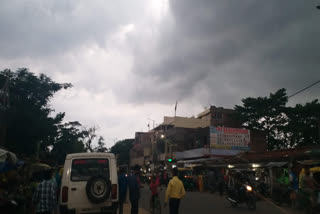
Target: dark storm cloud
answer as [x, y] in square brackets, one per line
[222, 51]
[39, 28]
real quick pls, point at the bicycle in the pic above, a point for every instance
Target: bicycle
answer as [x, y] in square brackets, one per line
[155, 207]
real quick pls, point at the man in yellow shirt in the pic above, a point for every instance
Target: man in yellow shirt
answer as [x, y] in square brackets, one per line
[175, 191]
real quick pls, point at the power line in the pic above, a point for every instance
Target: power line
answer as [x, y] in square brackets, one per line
[304, 89]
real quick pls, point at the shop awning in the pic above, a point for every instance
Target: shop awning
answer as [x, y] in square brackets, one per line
[275, 164]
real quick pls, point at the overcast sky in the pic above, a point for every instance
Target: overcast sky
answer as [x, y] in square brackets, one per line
[130, 60]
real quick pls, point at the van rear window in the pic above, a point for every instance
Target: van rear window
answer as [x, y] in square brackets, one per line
[84, 169]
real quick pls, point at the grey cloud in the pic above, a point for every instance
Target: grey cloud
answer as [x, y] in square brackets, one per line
[233, 49]
[39, 28]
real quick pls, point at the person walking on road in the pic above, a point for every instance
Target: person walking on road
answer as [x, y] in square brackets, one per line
[154, 193]
[134, 190]
[123, 183]
[221, 183]
[294, 184]
[45, 197]
[175, 191]
[310, 185]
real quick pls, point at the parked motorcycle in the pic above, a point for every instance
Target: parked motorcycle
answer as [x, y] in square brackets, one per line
[240, 194]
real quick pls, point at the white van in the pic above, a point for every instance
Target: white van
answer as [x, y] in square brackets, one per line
[89, 184]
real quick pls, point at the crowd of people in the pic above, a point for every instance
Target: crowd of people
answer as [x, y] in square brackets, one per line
[287, 183]
[38, 193]
[174, 192]
[23, 190]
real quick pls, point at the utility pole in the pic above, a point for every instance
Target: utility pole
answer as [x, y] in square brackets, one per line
[175, 109]
[319, 125]
[153, 121]
[4, 104]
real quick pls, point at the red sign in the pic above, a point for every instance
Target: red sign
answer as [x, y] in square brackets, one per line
[79, 162]
[102, 161]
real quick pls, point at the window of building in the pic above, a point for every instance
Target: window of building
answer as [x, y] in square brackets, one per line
[217, 115]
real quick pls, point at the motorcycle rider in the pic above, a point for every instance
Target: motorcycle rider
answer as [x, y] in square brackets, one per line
[294, 184]
[238, 185]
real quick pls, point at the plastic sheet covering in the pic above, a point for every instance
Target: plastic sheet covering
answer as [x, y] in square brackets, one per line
[4, 154]
[276, 164]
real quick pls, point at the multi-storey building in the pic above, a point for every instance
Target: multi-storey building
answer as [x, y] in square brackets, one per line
[182, 138]
[219, 116]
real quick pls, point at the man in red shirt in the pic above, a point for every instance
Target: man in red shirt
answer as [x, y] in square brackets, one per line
[158, 179]
[154, 191]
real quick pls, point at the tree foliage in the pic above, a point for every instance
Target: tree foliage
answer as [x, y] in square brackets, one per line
[122, 150]
[28, 118]
[68, 140]
[31, 127]
[101, 145]
[285, 127]
[303, 127]
[92, 142]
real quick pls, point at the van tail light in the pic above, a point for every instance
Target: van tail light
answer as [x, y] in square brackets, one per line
[64, 194]
[114, 191]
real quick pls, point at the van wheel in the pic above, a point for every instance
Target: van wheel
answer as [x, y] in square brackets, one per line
[98, 189]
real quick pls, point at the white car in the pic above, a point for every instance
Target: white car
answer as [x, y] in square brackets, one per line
[89, 184]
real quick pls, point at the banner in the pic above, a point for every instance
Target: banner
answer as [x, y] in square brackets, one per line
[229, 138]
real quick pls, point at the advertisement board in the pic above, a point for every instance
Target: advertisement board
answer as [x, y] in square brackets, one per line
[229, 138]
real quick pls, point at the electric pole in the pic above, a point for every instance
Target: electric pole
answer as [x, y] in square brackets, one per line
[4, 104]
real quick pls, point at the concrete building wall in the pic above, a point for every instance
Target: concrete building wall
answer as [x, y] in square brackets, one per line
[142, 148]
[188, 138]
[185, 122]
[219, 116]
[182, 134]
[137, 161]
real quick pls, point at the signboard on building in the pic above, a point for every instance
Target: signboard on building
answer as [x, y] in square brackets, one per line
[229, 138]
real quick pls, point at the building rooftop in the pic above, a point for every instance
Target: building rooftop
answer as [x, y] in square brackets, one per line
[207, 111]
[186, 122]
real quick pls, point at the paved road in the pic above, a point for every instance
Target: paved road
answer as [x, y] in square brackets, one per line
[206, 203]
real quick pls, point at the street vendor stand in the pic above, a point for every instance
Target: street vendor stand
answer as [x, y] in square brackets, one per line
[273, 167]
[314, 169]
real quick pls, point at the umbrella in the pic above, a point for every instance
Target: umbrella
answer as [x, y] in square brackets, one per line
[4, 154]
[36, 168]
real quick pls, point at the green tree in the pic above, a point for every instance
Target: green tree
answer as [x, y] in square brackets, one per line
[69, 139]
[266, 114]
[29, 119]
[29, 125]
[285, 127]
[303, 127]
[122, 150]
[101, 145]
[93, 142]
